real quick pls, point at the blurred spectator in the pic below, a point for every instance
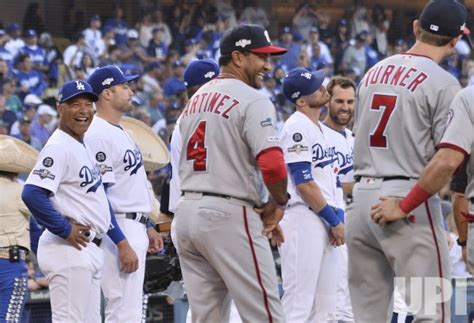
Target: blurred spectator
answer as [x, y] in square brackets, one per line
[316, 60]
[93, 36]
[5, 71]
[29, 112]
[191, 48]
[400, 46]
[33, 18]
[118, 25]
[155, 107]
[29, 80]
[354, 56]
[157, 47]
[158, 21]
[5, 55]
[145, 30]
[53, 58]
[175, 82]
[25, 134]
[15, 42]
[32, 100]
[452, 65]
[305, 18]
[3, 128]
[142, 115]
[87, 65]
[6, 116]
[360, 19]
[40, 126]
[268, 88]
[107, 40]
[371, 55]
[303, 59]
[150, 78]
[380, 25]
[112, 57]
[36, 53]
[255, 14]
[290, 59]
[13, 102]
[227, 12]
[73, 53]
[340, 42]
[326, 33]
[133, 54]
[324, 52]
[464, 80]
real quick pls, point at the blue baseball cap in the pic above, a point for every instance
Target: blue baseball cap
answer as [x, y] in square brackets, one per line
[200, 72]
[300, 82]
[12, 27]
[30, 33]
[95, 18]
[108, 76]
[74, 88]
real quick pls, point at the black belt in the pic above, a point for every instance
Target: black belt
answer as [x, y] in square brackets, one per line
[135, 215]
[222, 196]
[389, 178]
[97, 241]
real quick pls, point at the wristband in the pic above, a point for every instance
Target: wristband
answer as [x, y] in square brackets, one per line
[328, 214]
[461, 243]
[414, 199]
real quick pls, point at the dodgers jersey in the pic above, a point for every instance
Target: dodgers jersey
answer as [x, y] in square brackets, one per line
[175, 149]
[66, 168]
[304, 141]
[224, 126]
[121, 165]
[400, 115]
[460, 131]
[342, 143]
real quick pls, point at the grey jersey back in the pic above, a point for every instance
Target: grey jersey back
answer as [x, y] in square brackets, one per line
[400, 115]
[224, 127]
[459, 134]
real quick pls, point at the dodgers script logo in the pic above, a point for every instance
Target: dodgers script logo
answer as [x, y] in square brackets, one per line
[90, 176]
[323, 157]
[133, 159]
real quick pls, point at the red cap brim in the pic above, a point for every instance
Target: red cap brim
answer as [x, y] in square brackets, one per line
[272, 50]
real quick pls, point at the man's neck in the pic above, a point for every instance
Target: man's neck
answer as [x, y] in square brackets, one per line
[109, 115]
[311, 113]
[329, 122]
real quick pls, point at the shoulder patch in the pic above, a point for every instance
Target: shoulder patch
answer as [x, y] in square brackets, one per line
[297, 137]
[48, 162]
[44, 173]
[100, 156]
[298, 149]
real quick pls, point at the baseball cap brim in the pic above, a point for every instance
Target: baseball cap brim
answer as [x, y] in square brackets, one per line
[92, 95]
[131, 78]
[272, 50]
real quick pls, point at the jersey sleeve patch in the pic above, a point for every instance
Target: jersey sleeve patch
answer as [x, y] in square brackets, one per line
[297, 137]
[298, 149]
[48, 162]
[44, 174]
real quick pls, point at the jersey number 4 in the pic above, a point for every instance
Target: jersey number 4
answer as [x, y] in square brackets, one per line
[387, 103]
[196, 150]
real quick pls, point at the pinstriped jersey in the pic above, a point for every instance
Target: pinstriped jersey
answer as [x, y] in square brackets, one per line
[224, 126]
[400, 115]
[460, 131]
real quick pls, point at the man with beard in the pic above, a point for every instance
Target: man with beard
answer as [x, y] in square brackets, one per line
[341, 143]
[123, 173]
[314, 220]
[228, 133]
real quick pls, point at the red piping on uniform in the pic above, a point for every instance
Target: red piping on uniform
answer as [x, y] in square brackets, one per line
[257, 269]
[453, 147]
[438, 253]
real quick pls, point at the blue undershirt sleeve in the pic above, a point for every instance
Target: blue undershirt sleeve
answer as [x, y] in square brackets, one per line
[300, 172]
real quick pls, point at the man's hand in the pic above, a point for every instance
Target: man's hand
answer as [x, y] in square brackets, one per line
[271, 215]
[336, 235]
[155, 240]
[276, 236]
[387, 210]
[78, 235]
[127, 257]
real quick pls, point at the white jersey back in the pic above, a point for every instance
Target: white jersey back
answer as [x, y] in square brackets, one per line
[459, 134]
[400, 115]
[121, 165]
[303, 141]
[224, 127]
[66, 168]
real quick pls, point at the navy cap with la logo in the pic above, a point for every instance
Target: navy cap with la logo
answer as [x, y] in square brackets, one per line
[300, 82]
[74, 88]
[249, 38]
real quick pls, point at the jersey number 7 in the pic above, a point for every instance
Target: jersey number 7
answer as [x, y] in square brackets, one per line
[388, 104]
[196, 150]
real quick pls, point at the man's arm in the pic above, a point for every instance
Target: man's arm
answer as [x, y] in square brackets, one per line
[435, 175]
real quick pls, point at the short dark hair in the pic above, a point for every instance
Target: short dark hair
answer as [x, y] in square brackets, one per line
[22, 57]
[341, 81]
[433, 39]
[225, 60]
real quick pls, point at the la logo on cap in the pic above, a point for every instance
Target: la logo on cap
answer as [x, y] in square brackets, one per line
[80, 86]
[307, 75]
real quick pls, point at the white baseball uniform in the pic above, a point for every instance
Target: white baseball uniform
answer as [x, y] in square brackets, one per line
[342, 142]
[309, 263]
[122, 169]
[66, 168]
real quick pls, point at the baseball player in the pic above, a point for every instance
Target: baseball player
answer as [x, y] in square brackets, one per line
[228, 132]
[400, 117]
[124, 177]
[15, 157]
[309, 274]
[341, 141]
[64, 192]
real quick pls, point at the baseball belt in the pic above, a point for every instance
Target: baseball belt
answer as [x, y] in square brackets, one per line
[222, 196]
[389, 178]
[136, 216]
[6, 253]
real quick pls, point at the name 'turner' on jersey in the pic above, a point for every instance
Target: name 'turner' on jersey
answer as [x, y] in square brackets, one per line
[210, 102]
[397, 75]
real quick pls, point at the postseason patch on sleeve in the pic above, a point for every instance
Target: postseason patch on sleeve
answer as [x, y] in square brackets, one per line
[298, 149]
[44, 173]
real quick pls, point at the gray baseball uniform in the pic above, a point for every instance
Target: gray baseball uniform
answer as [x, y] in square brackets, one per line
[223, 253]
[459, 135]
[400, 117]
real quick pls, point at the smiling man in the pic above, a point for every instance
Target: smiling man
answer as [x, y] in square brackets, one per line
[64, 192]
[228, 134]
